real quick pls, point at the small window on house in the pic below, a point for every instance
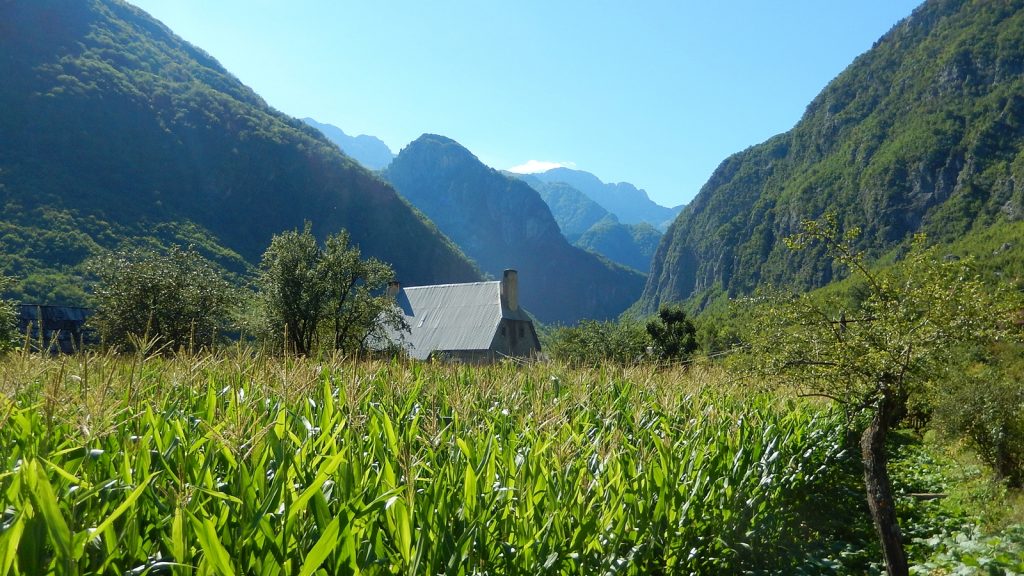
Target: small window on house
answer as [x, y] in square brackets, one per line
[522, 331]
[503, 330]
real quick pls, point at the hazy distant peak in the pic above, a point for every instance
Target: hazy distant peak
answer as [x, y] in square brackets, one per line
[632, 205]
[536, 166]
[369, 151]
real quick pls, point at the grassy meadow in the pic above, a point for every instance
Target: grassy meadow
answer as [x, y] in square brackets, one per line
[244, 463]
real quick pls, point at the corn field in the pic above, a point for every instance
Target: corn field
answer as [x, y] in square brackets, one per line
[240, 463]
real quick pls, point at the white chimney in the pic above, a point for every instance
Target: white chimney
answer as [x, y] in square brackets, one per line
[393, 288]
[510, 289]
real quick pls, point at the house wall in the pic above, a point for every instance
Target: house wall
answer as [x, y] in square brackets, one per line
[516, 338]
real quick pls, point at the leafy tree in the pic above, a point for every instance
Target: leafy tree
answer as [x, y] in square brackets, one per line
[312, 296]
[591, 343]
[673, 334]
[292, 294]
[176, 297]
[906, 335]
[357, 309]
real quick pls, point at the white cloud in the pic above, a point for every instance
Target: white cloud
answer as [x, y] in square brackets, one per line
[535, 166]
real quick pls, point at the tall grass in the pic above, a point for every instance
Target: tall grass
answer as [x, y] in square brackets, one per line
[240, 463]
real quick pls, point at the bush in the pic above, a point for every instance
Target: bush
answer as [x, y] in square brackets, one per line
[175, 298]
[986, 407]
[8, 317]
[673, 335]
[591, 342]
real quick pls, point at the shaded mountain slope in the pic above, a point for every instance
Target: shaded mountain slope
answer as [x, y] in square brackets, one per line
[116, 129]
[924, 132]
[503, 223]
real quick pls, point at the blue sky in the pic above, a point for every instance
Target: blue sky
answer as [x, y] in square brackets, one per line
[656, 93]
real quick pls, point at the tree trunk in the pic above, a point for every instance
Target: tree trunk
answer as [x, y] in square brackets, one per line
[879, 488]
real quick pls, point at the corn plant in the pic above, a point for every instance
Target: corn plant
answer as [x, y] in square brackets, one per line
[238, 463]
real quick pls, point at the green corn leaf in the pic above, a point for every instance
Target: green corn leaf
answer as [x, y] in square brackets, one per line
[325, 471]
[326, 544]
[469, 492]
[9, 540]
[45, 500]
[179, 548]
[216, 555]
[121, 509]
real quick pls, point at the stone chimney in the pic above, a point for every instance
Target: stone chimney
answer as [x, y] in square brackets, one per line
[393, 288]
[510, 290]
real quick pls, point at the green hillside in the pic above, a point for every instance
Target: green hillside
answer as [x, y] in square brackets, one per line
[502, 223]
[572, 209]
[631, 245]
[924, 132]
[116, 130]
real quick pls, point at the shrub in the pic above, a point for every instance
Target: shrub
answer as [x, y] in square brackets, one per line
[591, 342]
[174, 298]
[673, 335]
[986, 407]
[8, 317]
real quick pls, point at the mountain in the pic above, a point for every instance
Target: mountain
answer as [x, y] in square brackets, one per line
[503, 223]
[116, 131]
[923, 133]
[369, 151]
[629, 204]
[631, 245]
[587, 225]
[574, 211]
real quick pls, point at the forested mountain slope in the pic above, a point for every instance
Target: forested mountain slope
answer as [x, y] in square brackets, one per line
[574, 211]
[113, 129]
[924, 132]
[502, 222]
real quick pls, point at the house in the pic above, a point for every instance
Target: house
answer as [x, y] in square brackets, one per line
[63, 327]
[477, 322]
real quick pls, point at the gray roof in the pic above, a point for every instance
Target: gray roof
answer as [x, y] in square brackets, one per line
[453, 316]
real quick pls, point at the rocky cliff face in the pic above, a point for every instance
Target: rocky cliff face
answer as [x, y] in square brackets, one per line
[924, 132]
[502, 223]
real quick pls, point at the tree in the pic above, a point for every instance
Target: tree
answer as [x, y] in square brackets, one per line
[908, 331]
[292, 291]
[176, 297]
[673, 334]
[357, 309]
[312, 296]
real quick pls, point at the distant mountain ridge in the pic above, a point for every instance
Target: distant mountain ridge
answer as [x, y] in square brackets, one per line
[369, 151]
[574, 211]
[587, 225]
[629, 204]
[501, 223]
[924, 132]
[116, 131]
